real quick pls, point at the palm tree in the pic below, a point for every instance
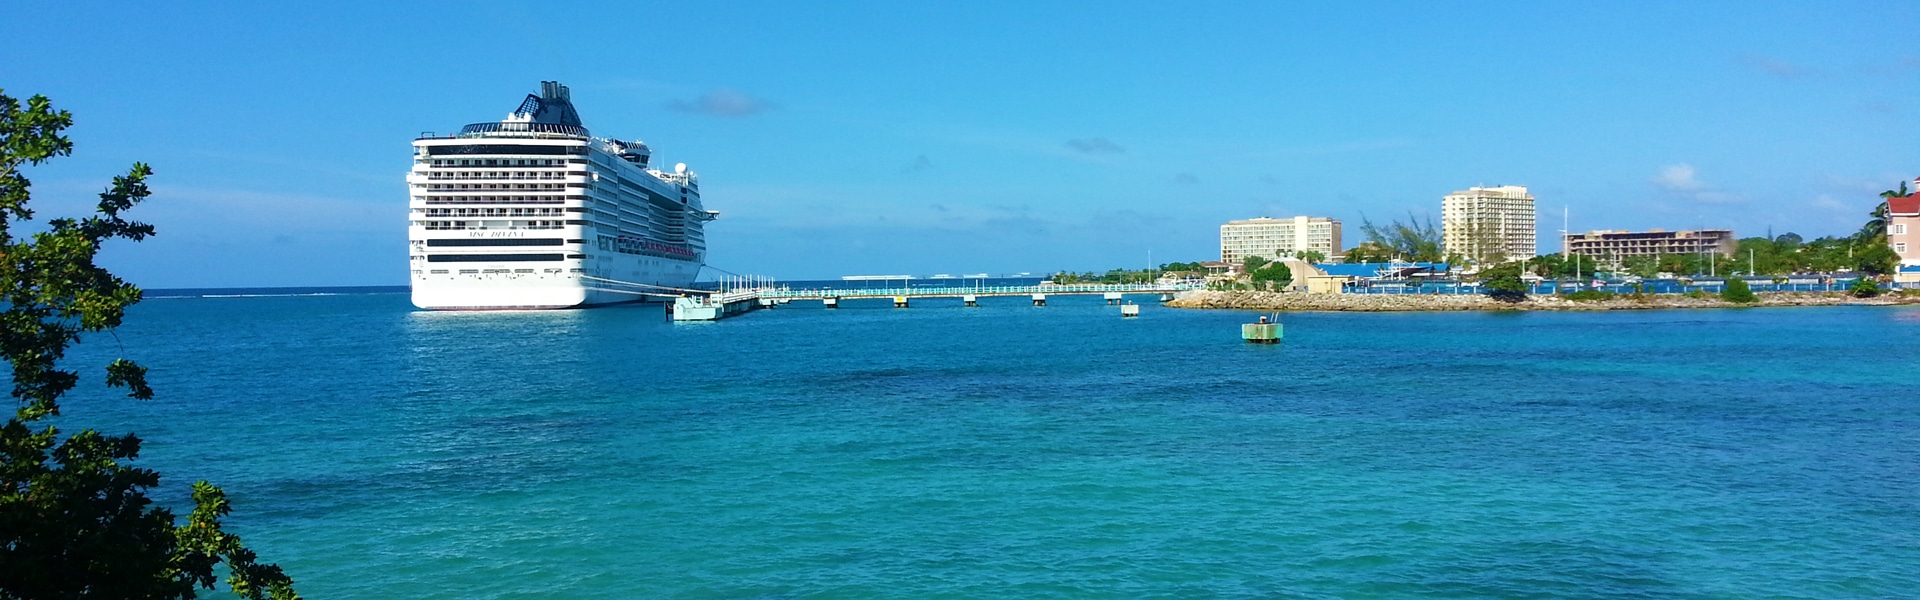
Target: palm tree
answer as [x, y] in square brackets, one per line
[1877, 226]
[1902, 193]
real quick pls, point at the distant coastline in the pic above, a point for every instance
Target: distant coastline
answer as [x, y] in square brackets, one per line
[1295, 301]
[249, 292]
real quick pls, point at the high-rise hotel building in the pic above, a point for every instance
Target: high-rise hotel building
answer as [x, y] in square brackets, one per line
[1479, 223]
[1278, 238]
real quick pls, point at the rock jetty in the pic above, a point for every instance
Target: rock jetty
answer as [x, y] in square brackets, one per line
[1295, 301]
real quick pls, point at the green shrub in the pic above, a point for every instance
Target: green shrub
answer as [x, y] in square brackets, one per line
[1590, 296]
[1271, 275]
[1503, 283]
[1737, 292]
[1864, 288]
[1698, 295]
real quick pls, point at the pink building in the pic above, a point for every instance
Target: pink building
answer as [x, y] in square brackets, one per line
[1903, 233]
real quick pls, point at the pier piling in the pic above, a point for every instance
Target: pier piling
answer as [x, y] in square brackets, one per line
[1039, 299]
[970, 300]
[899, 301]
[830, 302]
[1113, 298]
[1129, 310]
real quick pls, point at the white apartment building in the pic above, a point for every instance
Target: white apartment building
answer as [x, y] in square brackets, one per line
[1478, 222]
[1277, 238]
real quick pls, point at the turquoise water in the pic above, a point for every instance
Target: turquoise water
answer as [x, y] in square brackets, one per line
[1012, 451]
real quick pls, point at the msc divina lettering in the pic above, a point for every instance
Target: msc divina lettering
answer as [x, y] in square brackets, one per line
[532, 212]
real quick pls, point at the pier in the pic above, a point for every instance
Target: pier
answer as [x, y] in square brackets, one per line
[719, 305]
[971, 293]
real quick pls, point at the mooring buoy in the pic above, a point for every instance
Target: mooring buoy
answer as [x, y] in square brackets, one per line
[1263, 332]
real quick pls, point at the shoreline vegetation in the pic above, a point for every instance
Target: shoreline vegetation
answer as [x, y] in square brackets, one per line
[1296, 301]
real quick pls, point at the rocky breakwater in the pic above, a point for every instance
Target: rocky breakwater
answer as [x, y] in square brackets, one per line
[1294, 301]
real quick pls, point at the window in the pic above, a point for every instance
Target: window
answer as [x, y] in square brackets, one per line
[492, 257]
[1900, 229]
[1900, 248]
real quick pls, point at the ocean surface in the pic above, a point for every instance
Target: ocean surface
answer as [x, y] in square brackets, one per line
[1009, 451]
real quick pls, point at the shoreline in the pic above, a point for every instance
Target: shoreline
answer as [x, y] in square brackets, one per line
[1297, 301]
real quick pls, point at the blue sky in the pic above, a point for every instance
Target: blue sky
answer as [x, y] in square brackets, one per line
[948, 137]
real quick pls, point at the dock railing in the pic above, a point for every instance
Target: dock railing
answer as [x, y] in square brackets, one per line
[784, 293]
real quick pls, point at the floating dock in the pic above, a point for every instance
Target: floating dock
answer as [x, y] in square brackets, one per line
[715, 306]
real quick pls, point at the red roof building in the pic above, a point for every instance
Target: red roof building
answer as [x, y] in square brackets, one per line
[1903, 231]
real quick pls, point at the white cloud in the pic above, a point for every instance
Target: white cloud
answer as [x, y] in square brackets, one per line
[1682, 180]
[1718, 198]
[1679, 178]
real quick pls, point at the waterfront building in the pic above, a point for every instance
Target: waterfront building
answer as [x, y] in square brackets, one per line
[1215, 267]
[1278, 238]
[1489, 223]
[1616, 245]
[1903, 233]
[1338, 278]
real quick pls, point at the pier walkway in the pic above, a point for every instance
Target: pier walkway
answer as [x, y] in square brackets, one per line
[962, 291]
[726, 303]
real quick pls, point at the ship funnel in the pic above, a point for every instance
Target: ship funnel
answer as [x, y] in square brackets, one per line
[553, 106]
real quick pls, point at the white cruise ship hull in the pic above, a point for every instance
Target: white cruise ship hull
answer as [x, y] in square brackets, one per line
[497, 287]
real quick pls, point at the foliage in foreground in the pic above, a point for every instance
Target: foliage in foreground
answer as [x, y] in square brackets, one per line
[74, 521]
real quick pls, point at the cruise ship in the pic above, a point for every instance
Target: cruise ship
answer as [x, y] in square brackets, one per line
[533, 212]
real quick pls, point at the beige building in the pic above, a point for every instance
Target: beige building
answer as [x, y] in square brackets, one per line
[1616, 245]
[1489, 223]
[1903, 233]
[1274, 238]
